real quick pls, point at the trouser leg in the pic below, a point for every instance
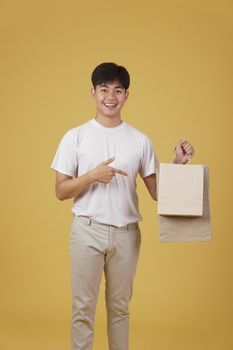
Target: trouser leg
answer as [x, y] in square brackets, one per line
[87, 262]
[120, 268]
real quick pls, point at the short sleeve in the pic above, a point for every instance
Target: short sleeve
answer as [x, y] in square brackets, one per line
[149, 161]
[65, 160]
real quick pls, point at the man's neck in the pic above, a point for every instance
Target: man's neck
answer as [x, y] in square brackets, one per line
[108, 122]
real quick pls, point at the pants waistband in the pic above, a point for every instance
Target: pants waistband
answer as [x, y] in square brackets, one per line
[90, 221]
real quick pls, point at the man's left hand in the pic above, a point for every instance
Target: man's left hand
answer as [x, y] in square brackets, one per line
[184, 152]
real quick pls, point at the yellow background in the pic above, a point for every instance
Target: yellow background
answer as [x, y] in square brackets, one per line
[179, 54]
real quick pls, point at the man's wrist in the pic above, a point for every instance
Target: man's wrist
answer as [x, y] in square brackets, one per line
[90, 176]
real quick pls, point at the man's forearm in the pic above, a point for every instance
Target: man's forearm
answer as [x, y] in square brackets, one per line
[73, 187]
[150, 182]
[66, 187]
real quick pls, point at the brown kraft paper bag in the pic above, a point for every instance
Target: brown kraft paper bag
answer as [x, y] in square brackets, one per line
[180, 189]
[187, 228]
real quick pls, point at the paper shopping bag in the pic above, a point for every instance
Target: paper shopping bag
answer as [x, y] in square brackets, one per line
[180, 189]
[187, 228]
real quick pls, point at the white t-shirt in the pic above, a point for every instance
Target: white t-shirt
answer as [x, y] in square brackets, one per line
[84, 147]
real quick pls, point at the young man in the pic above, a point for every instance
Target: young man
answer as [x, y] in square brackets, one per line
[97, 164]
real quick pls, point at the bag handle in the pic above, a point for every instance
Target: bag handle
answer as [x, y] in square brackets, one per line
[174, 156]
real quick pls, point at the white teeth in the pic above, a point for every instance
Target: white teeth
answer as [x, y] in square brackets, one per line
[109, 105]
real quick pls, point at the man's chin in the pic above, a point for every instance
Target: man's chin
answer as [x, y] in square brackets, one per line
[111, 114]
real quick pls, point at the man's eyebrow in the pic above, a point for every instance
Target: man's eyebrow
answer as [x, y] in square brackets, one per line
[115, 87]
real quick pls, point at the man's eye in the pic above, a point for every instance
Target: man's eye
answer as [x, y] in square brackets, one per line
[119, 91]
[103, 90]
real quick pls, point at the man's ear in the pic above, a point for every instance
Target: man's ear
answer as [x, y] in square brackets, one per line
[93, 91]
[127, 94]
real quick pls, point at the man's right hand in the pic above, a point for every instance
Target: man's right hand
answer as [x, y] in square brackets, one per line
[104, 173]
[69, 187]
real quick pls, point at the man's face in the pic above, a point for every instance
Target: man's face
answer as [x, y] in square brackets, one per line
[109, 99]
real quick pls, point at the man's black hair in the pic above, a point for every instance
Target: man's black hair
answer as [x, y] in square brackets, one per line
[109, 72]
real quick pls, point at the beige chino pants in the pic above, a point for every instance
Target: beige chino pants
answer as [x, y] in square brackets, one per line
[95, 248]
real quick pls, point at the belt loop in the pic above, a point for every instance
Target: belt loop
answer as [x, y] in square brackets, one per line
[128, 226]
[89, 223]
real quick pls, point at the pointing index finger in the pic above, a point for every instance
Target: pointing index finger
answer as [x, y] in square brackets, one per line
[121, 172]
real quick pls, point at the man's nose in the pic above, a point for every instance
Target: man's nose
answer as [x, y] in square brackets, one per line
[111, 94]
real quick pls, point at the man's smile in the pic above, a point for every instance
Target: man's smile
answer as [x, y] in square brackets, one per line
[110, 105]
